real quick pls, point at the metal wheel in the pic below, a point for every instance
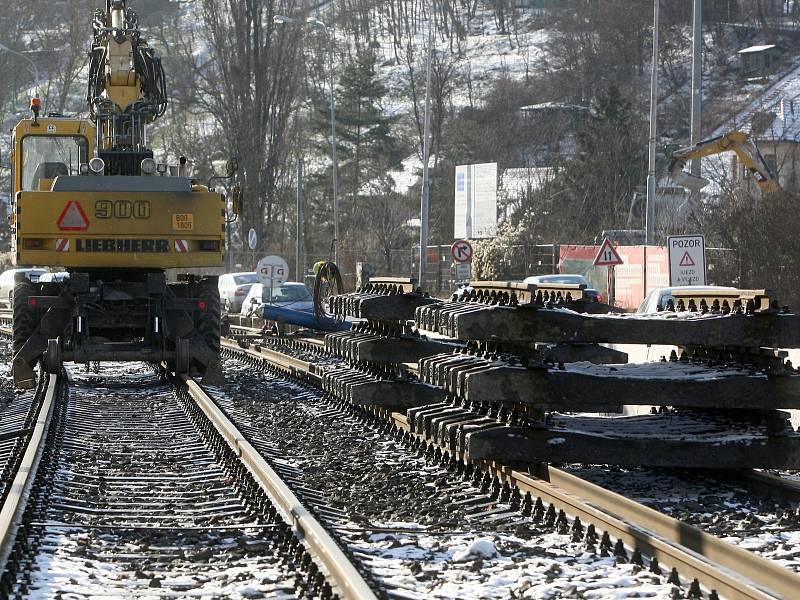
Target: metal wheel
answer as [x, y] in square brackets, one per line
[52, 357]
[327, 283]
[183, 356]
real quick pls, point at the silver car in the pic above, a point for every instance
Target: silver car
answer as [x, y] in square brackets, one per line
[8, 281]
[233, 288]
[292, 294]
[657, 299]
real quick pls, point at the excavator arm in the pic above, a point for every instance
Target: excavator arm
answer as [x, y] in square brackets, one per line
[734, 141]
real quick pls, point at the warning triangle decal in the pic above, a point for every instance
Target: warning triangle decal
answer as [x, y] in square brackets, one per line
[72, 218]
[686, 260]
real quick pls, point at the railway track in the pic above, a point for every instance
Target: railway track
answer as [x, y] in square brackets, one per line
[701, 559]
[598, 518]
[130, 483]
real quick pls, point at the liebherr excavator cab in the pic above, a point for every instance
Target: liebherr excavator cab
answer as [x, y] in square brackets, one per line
[88, 196]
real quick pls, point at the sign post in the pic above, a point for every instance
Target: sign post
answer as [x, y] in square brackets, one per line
[272, 270]
[687, 260]
[607, 256]
[252, 241]
[461, 251]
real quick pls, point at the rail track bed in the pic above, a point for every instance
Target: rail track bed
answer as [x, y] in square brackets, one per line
[138, 494]
[422, 530]
[302, 359]
[718, 503]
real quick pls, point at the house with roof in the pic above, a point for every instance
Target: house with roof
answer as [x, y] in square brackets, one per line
[773, 122]
[759, 60]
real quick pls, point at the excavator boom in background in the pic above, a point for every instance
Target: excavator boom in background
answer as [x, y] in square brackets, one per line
[735, 141]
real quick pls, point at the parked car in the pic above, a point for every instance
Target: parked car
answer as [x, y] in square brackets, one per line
[292, 295]
[233, 288]
[7, 282]
[589, 293]
[54, 277]
[657, 299]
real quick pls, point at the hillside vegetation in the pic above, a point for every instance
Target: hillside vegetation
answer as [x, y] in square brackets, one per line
[241, 85]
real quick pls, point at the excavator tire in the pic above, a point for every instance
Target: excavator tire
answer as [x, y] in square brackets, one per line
[209, 320]
[24, 315]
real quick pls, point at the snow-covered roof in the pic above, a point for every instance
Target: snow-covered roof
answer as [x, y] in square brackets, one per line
[543, 106]
[753, 49]
[774, 115]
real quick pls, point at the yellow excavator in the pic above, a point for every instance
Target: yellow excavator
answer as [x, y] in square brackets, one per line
[735, 141]
[88, 196]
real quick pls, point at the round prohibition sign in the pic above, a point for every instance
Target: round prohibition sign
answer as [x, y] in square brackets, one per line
[461, 251]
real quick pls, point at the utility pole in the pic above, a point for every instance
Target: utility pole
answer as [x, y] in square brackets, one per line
[424, 207]
[697, 81]
[299, 257]
[651, 163]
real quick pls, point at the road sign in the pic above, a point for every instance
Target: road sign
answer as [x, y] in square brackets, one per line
[252, 239]
[687, 259]
[272, 271]
[463, 271]
[607, 256]
[461, 251]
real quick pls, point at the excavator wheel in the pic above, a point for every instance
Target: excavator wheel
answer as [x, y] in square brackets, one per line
[53, 359]
[209, 320]
[24, 319]
[183, 356]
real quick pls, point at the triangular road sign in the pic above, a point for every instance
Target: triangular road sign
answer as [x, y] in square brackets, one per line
[686, 260]
[607, 256]
[72, 218]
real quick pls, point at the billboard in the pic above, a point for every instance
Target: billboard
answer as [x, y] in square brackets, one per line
[476, 201]
[643, 268]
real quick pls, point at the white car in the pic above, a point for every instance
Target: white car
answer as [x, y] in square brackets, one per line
[291, 294]
[233, 288]
[589, 292]
[7, 282]
[657, 299]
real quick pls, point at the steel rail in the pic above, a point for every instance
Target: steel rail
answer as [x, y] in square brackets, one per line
[11, 512]
[343, 573]
[768, 484]
[735, 574]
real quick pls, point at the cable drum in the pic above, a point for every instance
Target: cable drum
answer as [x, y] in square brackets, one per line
[327, 283]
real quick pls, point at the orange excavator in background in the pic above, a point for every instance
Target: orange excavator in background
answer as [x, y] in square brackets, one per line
[735, 141]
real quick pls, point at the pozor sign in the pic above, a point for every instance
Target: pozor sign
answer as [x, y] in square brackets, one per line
[687, 260]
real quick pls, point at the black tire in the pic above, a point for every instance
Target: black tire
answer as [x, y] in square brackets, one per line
[24, 319]
[208, 320]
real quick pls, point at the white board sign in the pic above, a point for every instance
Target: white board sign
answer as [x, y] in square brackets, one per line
[252, 239]
[463, 271]
[272, 271]
[476, 201]
[687, 259]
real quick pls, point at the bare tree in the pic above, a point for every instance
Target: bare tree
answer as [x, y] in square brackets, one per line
[248, 83]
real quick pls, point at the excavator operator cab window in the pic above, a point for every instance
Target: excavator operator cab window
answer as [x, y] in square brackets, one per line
[48, 156]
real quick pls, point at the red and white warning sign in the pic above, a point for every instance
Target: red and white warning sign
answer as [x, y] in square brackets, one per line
[62, 245]
[607, 256]
[687, 260]
[181, 245]
[461, 251]
[72, 218]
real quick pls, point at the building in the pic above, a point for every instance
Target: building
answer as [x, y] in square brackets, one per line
[773, 122]
[759, 60]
